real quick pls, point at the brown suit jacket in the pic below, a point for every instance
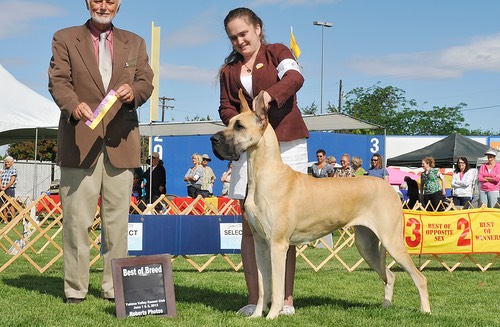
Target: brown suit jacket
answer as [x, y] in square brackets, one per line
[284, 114]
[74, 78]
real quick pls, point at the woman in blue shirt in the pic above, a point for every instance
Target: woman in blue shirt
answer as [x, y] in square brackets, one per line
[377, 168]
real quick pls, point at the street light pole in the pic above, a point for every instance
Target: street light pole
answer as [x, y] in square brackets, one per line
[323, 25]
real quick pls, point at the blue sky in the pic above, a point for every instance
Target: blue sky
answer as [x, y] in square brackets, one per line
[441, 53]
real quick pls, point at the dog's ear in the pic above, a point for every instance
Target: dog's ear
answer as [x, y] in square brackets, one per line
[244, 104]
[260, 108]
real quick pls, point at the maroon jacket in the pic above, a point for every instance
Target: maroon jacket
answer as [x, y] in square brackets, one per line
[74, 77]
[284, 114]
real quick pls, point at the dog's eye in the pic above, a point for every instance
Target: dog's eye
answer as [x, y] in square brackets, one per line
[238, 125]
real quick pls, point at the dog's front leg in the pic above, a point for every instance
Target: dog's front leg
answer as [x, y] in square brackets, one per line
[278, 268]
[263, 259]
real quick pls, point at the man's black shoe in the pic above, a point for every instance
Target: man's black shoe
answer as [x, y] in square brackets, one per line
[74, 300]
[110, 299]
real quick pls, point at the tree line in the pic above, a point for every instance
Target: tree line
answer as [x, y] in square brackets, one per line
[389, 108]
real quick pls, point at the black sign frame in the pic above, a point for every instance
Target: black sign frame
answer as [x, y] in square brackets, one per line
[144, 286]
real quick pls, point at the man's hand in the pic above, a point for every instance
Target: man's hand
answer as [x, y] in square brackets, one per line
[83, 112]
[125, 94]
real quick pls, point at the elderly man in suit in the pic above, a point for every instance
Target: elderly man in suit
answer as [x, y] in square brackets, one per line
[97, 161]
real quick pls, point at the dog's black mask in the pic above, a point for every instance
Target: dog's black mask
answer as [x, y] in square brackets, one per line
[221, 149]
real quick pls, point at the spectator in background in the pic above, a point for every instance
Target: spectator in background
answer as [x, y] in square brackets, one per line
[461, 183]
[321, 168]
[332, 161]
[377, 168]
[226, 179]
[207, 185]
[156, 178]
[138, 191]
[432, 185]
[356, 163]
[194, 176]
[413, 194]
[489, 177]
[9, 179]
[345, 169]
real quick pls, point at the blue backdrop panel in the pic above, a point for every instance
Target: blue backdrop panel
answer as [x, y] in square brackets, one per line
[159, 234]
[176, 152]
[182, 234]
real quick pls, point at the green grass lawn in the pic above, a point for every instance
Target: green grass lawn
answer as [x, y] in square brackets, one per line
[330, 297]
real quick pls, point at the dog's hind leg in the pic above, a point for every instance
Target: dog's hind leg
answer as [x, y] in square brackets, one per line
[389, 282]
[399, 253]
[374, 254]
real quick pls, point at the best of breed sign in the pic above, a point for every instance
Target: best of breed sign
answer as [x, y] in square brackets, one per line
[452, 232]
[144, 286]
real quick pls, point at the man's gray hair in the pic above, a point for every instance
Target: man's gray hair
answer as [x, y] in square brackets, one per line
[8, 158]
[119, 2]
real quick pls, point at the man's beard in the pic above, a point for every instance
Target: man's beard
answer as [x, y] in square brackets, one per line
[102, 20]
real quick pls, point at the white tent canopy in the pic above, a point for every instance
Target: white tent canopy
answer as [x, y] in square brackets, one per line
[23, 108]
[325, 122]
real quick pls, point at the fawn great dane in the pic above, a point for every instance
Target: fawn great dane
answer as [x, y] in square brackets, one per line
[287, 207]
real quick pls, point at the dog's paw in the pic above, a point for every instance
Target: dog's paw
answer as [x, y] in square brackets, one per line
[247, 311]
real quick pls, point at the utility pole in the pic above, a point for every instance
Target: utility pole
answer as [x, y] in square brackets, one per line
[340, 96]
[165, 106]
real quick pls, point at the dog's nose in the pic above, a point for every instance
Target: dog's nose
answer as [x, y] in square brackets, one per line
[216, 137]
